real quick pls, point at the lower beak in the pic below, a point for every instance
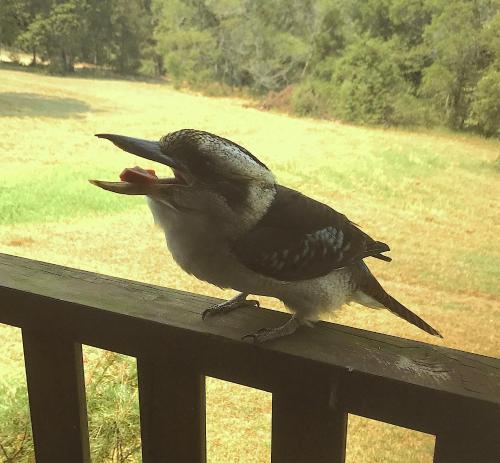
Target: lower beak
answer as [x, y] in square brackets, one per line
[126, 188]
[144, 148]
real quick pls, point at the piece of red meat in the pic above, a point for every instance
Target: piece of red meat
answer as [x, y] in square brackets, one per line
[138, 175]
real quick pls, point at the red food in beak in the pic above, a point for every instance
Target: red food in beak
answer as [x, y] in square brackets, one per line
[138, 175]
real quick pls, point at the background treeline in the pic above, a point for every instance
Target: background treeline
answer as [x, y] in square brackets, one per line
[394, 62]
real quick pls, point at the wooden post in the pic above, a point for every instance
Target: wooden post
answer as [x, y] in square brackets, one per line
[309, 423]
[172, 403]
[56, 387]
[469, 446]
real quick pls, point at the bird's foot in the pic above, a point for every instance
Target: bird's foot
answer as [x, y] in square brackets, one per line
[270, 334]
[225, 307]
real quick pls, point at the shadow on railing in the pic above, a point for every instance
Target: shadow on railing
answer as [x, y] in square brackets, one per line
[316, 376]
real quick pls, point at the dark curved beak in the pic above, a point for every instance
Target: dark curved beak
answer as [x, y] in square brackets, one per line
[144, 148]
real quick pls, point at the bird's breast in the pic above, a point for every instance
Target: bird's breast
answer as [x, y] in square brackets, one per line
[198, 257]
[195, 245]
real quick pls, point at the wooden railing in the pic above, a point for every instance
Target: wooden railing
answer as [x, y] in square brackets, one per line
[317, 376]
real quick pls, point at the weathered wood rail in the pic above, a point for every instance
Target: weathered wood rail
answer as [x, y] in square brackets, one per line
[316, 377]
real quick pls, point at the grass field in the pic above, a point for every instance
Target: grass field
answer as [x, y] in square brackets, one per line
[432, 196]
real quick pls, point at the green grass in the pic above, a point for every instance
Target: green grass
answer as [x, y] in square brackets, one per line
[432, 196]
[60, 192]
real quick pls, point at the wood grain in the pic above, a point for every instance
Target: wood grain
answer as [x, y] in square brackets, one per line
[56, 389]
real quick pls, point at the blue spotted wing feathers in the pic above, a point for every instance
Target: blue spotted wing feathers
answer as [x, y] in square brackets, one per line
[300, 238]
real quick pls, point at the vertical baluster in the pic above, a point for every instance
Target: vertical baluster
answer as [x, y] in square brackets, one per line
[172, 403]
[56, 389]
[308, 423]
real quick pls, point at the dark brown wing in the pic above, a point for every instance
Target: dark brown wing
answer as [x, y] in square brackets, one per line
[300, 238]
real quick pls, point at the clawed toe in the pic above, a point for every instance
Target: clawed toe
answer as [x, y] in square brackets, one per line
[229, 306]
[259, 336]
[208, 312]
[250, 337]
[218, 310]
[269, 334]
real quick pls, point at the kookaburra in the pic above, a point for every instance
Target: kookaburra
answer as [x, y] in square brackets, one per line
[228, 222]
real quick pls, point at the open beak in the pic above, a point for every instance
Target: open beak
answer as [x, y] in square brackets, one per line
[138, 181]
[144, 148]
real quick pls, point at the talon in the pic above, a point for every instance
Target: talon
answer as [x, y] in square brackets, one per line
[270, 334]
[228, 306]
[214, 310]
[206, 313]
[257, 335]
[252, 336]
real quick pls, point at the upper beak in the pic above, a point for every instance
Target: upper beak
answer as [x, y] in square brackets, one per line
[144, 148]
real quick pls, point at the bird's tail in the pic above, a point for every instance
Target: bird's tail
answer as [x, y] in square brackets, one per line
[373, 295]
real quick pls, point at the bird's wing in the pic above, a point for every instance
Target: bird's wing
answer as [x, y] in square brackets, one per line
[300, 238]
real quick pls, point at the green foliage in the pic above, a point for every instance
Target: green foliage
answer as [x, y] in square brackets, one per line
[9, 25]
[410, 111]
[312, 97]
[188, 52]
[485, 108]
[97, 48]
[453, 42]
[112, 405]
[16, 444]
[114, 33]
[391, 62]
[58, 35]
[366, 83]
[244, 44]
[129, 34]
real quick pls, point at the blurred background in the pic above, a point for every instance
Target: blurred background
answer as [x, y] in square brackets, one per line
[389, 111]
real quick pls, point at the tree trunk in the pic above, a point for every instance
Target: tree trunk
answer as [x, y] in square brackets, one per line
[158, 59]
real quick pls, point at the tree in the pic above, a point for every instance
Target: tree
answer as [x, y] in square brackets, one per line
[185, 40]
[58, 35]
[129, 22]
[97, 43]
[366, 82]
[16, 17]
[485, 105]
[370, 61]
[453, 43]
[10, 26]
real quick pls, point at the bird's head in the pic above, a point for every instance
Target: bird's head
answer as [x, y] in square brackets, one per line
[206, 168]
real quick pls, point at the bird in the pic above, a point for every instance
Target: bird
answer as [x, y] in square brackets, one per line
[228, 222]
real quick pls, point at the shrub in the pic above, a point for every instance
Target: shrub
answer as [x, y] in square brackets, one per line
[364, 85]
[410, 111]
[485, 109]
[311, 98]
[367, 82]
